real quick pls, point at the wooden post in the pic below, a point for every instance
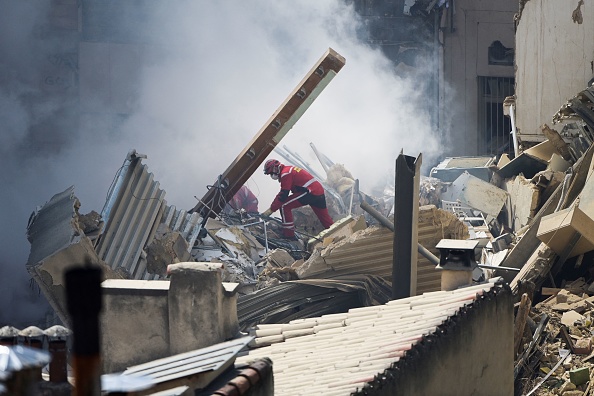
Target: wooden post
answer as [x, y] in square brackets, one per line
[254, 154]
[520, 322]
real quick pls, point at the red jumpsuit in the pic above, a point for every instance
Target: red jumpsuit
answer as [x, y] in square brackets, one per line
[244, 198]
[306, 191]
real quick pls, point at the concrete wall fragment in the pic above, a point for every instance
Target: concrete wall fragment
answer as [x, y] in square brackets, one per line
[58, 243]
[151, 319]
[134, 323]
[476, 193]
[523, 201]
[201, 312]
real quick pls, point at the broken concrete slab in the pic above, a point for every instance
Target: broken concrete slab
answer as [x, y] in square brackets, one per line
[339, 230]
[543, 150]
[558, 164]
[58, 243]
[526, 164]
[167, 247]
[568, 232]
[476, 193]
[524, 198]
[570, 317]
[452, 167]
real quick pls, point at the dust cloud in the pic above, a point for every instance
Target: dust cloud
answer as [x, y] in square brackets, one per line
[188, 84]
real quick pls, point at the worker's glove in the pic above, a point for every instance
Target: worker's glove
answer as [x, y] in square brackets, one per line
[267, 213]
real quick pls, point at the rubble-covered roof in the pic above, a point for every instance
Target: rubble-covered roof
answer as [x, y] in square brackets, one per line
[310, 298]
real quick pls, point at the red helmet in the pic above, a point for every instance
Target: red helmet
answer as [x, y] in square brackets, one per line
[272, 166]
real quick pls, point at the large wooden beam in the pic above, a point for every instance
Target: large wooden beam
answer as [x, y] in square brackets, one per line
[283, 119]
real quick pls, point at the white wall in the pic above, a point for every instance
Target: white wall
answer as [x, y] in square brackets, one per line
[554, 58]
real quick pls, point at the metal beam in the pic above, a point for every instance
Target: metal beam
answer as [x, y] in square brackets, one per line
[248, 161]
[406, 211]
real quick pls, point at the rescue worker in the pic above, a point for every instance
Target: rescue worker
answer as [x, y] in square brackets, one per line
[244, 199]
[305, 191]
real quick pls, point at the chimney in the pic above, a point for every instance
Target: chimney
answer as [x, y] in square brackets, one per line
[202, 312]
[32, 337]
[8, 335]
[456, 262]
[57, 337]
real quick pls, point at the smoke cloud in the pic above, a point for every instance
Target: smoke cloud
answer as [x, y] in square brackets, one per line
[189, 86]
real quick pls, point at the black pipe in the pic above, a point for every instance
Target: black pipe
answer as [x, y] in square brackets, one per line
[83, 298]
[404, 199]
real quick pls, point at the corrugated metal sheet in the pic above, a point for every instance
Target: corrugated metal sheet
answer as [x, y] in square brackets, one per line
[175, 367]
[308, 298]
[134, 205]
[371, 251]
[188, 224]
[134, 208]
[195, 369]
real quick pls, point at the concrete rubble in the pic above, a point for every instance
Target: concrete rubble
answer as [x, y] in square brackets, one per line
[531, 218]
[532, 225]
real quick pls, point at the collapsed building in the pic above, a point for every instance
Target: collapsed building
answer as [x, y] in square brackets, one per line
[518, 227]
[256, 283]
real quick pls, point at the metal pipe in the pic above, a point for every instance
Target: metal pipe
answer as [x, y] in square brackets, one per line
[495, 267]
[83, 298]
[354, 188]
[320, 158]
[433, 259]
[512, 116]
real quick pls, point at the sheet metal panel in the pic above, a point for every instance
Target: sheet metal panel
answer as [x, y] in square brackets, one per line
[190, 363]
[134, 209]
[134, 205]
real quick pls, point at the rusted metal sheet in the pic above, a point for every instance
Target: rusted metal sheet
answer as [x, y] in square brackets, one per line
[240, 170]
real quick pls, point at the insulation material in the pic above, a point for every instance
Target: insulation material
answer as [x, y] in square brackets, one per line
[339, 178]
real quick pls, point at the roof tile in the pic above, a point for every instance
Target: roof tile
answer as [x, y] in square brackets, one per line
[346, 351]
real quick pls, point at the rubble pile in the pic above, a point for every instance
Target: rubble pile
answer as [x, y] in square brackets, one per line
[555, 356]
